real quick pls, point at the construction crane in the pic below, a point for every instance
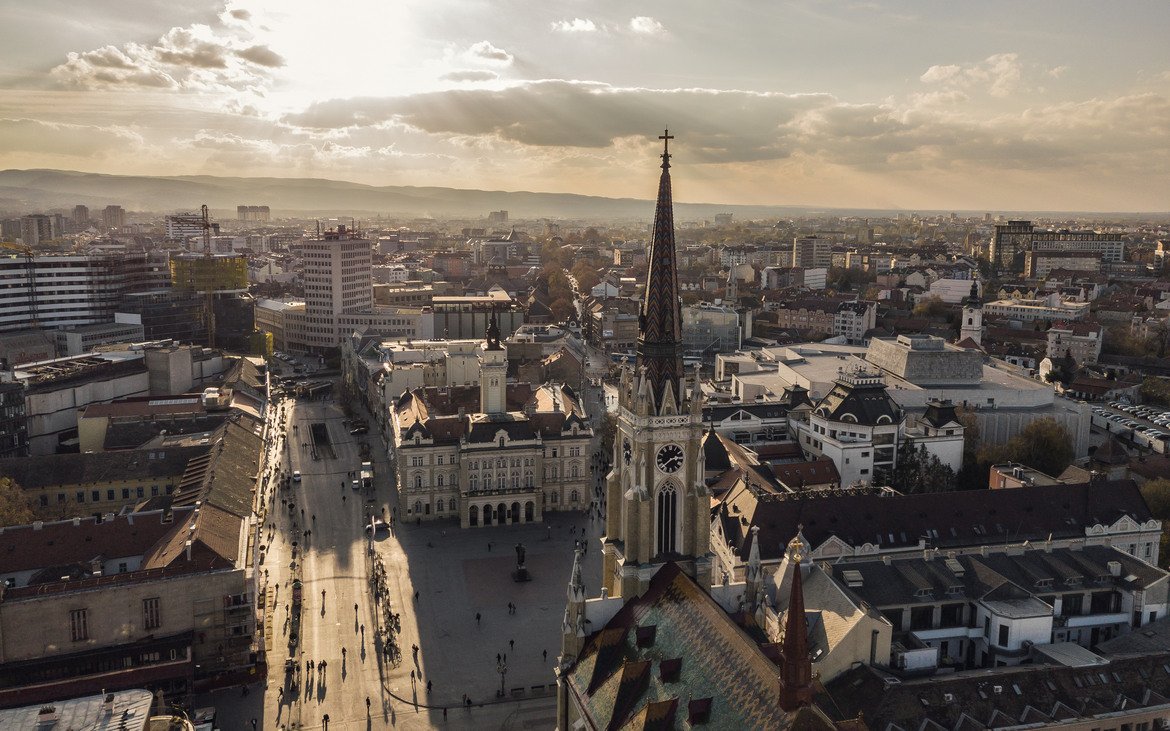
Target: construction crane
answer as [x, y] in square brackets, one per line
[209, 295]
[30, 276]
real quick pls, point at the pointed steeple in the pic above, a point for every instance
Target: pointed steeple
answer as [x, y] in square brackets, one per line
[796, 688]
[493, 332]
[974, 300]
[755, 573]
[660, 337]
[573, 625]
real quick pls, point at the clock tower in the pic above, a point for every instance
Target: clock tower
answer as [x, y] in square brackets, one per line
[658, 504]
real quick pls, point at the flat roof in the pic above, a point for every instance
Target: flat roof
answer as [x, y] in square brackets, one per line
[131, 712]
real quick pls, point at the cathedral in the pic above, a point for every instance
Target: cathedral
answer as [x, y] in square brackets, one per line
[662, 647]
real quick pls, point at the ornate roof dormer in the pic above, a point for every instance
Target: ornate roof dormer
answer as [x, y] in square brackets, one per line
[660, 333]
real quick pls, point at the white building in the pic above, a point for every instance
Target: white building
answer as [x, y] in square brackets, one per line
[853, 320]
[182, 226]
[1030, 310]
[72, 290]
[337, 282]
[1081, 340]
[951, 291]
[858, 426]
[491, 454]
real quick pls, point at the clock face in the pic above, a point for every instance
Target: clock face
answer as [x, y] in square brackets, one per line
[627, 451]
[670, 458]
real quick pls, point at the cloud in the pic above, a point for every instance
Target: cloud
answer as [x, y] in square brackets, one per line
[262, 56]
[470, 75]
[72, 140]
[240, 14]
[645, 25]
[1000, 75]
[193, 58]
[486, 52]
[940, 131]
[576, 25]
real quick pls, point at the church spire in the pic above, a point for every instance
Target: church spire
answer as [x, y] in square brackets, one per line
[796, 688]
[660, 337]
[493, 332]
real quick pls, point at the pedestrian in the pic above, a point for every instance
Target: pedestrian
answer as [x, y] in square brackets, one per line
[253, 723]
[416, 596]
[489, 546]
[477, 619]
[544, 654]
[511, 644]
[444, 713]
[411, 676]
[498, 658]
[367, 705]
[428, 687]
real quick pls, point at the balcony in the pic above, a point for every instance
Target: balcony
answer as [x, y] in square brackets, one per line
[1092, 620]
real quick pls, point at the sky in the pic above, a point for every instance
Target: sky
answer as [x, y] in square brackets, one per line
[990, 105]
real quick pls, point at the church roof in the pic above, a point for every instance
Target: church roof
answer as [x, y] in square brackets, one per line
[619, 681]
[714, 453]
[961, 518]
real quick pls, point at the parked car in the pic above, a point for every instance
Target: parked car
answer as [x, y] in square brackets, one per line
[296, 475]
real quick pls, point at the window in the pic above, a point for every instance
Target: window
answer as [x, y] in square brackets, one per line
[417, 506]
[44, 501]
[109, 495]
[1003, 635]
[667, 519]
[439, 459]
[418, 482]
[78, 625]
[501, 442]
[439, 481]
[438, 506]
[141, 492]
[125, 493]
[80, 496]
[151, 618]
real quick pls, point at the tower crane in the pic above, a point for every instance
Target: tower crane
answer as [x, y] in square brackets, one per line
[209, 295]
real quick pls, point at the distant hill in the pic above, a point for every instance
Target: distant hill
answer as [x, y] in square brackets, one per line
[30, 190]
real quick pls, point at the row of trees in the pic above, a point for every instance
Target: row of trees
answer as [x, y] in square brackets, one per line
[1044, 444]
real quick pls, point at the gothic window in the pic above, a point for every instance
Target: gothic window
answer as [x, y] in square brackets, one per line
[451, 505]
[575, 469]
[439, 459]
[553, 498]
[554, 472]
[454, 479]
[667, 519]
[439, 481]
[418, 482]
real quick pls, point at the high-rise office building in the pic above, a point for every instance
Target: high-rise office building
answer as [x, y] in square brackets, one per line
[810, 252]
[254, 214]
[80, 216]
[113, 217]
[36, 229]
[338, 281]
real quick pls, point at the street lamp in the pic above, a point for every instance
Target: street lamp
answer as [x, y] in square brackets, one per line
[502, 669]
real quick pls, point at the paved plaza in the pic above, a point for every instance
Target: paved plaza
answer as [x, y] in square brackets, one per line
[455, 574]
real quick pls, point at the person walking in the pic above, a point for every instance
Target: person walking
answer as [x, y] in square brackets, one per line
[511, 644]
[477, 619]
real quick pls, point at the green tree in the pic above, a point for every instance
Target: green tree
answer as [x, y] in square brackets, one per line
[920, 471]
[1043, 444]
[1157, 495]
[1156, 390]
[15, 507]
[931, 306]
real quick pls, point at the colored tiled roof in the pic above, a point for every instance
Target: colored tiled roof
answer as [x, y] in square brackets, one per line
[619, 683]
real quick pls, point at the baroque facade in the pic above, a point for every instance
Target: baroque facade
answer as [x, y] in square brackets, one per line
[491, 454]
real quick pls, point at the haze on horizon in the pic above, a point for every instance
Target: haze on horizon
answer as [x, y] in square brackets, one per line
[995, 105]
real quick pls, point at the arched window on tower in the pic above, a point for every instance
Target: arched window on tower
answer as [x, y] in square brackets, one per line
[667, 519]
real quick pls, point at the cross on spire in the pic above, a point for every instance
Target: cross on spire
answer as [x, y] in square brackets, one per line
[666, 137]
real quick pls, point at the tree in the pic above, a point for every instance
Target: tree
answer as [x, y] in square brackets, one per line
[562, 309]
[920, 471]
[1157, 495]
[586, 275]
[15, 507]
[1043, 444]
[1156, 390]
[931, 306]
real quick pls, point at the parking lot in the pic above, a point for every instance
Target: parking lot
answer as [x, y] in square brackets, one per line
[1145, 426]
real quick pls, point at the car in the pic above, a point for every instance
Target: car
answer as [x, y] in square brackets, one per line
[1131, 424]
[356, 484]
[359, 429]
[378, 526]
[1143, 428]
[296, 476]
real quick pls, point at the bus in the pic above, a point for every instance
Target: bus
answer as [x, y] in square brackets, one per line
[367, 475]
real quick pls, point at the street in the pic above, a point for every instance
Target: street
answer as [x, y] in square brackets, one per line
[457, 574]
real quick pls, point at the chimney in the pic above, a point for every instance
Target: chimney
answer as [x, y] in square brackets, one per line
[129, 518]
[188, 547]
[1114, 568]
[76, 522]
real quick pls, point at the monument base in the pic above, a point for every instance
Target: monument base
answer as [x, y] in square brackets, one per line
[521, 575]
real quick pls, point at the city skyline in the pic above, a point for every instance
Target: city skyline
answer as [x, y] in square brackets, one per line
[841, 104]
